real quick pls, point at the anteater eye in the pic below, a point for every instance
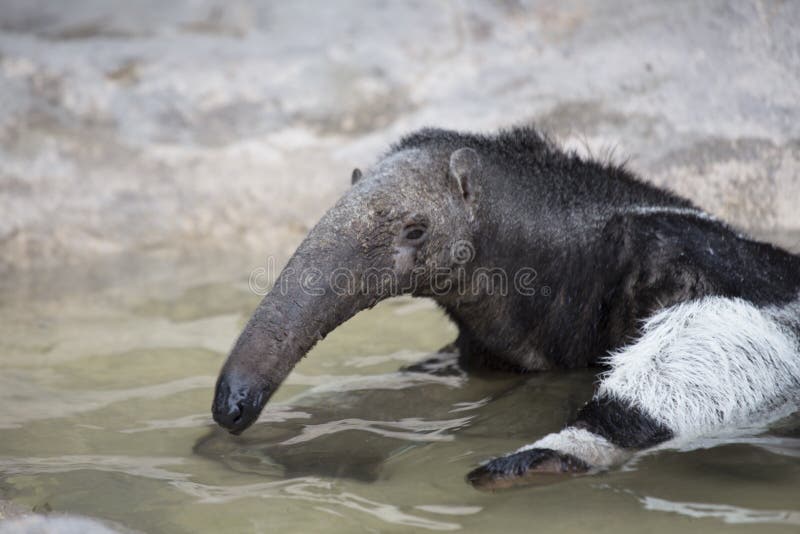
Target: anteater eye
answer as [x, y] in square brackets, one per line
[414, 232]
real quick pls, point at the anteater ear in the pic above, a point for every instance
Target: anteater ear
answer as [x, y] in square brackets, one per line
[356, 176]
[464, 166]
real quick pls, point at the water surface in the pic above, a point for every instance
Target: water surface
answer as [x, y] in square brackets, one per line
[106, 378]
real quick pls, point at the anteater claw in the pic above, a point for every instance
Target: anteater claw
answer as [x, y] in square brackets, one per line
[532, 466]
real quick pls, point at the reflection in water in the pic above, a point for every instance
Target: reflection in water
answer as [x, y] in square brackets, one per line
[43, 403]
[140, 466]
[336, 384]
[351, 429]
[469, 406]
[407, 429]
[773, 444]
[727, 513]
[106, 403]
[314, 490]
[308, 489]
[752, 435]
[449, 510]
[277, 414]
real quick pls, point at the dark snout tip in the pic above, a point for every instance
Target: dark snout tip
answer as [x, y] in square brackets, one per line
[237, 403]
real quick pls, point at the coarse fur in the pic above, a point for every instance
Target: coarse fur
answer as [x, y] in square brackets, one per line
[622, 423]
[707, 363]
[592, 449]
[611, 248]
[695, 324]
[698, 366]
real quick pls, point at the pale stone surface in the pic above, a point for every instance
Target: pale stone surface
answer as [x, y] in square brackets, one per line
[56, 524]
[9, 510]
[15, 519]
[133, 126]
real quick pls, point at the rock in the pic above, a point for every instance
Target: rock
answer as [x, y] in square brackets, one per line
[129, 127]
[9, 510]
[56, 524]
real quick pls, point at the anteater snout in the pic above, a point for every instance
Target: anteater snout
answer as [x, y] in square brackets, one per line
[237, 402]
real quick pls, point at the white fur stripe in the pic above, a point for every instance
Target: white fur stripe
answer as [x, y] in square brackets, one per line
[707, 363]
[595, 450]
[654, 210]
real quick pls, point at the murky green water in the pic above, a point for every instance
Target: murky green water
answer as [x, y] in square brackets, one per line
[106, 378]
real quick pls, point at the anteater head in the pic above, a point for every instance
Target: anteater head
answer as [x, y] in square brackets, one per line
[405, 226]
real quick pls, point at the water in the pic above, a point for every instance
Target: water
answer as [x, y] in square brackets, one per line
[106, 381]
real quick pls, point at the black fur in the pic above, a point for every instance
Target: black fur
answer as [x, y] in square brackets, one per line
[602, 265]
[606, 267]
[623, 425]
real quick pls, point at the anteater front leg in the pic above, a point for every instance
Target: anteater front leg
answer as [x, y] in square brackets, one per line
[698, 366]
[453, 359]
[605, 433]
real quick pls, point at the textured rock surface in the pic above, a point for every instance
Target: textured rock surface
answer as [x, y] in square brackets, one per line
[15, 519]
[132, 126]
[58, 524]
[9, 510]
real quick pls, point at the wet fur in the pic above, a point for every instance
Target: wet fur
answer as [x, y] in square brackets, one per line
[612, 250]
[625, 264]
[619, 256]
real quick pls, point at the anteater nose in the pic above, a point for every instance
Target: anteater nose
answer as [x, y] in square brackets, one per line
[227, 412]
[228, 404]
[237, 403]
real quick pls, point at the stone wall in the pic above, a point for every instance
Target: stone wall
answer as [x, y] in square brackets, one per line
[134, 126]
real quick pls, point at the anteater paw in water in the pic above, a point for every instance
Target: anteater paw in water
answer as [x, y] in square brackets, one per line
[526, 467]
